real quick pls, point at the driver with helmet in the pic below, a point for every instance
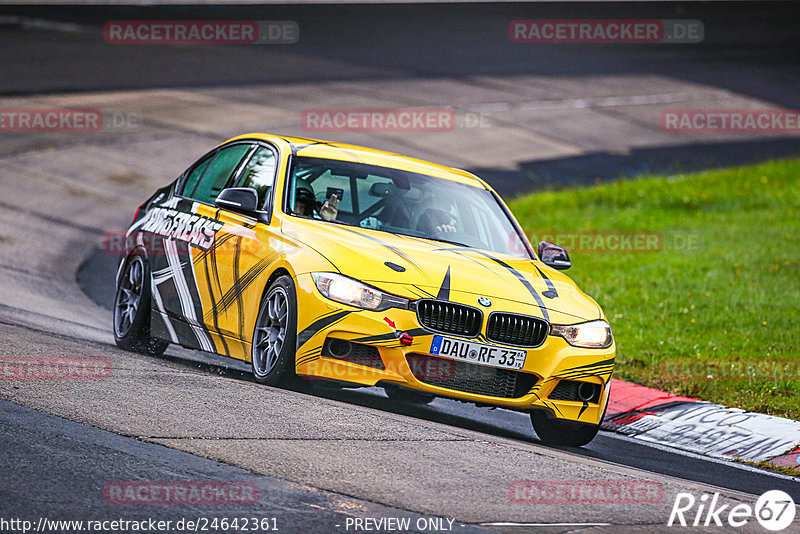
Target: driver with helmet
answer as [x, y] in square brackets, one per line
[306, 204]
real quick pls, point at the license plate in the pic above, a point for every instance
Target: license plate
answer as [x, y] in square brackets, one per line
[467, 351]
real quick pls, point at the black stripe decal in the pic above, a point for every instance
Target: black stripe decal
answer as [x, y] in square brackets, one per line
[309, 351]
[291, 145]
[523, 281]
[213, 310]
[380, 337]
[239, 302]
[234, 293]
[444, 290]
[578, 376]
[314, 142]
[585, 374]
[460, 253]
[602, 363]
[313, 354]
[218, 241]
[418, 332]
[551, 292]
[554, 406]
[421, 295]
[422, 290]
[320, 324]
[387, 246]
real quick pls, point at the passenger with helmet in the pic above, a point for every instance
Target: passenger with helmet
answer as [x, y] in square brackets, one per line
[306, 204]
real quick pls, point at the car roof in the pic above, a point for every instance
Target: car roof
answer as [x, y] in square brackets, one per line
[315, 148]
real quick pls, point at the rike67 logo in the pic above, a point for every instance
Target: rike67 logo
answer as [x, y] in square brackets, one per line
[774, 510]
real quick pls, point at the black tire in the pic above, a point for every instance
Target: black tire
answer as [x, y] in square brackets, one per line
[408, 396]
[132, 309]
[274, 335]
[554, 431]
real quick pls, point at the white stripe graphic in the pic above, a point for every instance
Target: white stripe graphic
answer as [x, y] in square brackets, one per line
[187, 306]
[162, 274]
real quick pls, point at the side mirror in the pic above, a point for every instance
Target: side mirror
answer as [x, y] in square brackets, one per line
[554, 256]
[241, 199]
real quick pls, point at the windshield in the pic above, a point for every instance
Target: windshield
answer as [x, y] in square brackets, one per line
[401, 202]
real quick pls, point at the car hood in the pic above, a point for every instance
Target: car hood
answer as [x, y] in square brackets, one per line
[421, 268]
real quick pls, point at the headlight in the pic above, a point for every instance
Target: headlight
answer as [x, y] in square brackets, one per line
[591, 335]
[354, 293]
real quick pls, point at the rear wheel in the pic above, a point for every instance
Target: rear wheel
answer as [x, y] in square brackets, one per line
[132, 309]
[408, 396]
[273, 352]
[557, 432]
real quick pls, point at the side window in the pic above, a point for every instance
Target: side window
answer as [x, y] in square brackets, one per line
[219, 172]
[259, 173]
[195, 175]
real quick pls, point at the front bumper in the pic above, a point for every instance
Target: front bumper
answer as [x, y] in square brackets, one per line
[386, 355]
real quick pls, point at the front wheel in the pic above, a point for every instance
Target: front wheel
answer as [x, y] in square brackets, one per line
[132, 309]
[273, 352]
[557, 432]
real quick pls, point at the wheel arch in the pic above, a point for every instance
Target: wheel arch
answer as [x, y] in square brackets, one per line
[283, 269]
[277, 273]
[135, 251]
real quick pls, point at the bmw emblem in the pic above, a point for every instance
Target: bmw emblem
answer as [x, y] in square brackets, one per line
[483, 301]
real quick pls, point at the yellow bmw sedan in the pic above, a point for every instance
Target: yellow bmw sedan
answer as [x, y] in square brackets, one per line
[329, 261]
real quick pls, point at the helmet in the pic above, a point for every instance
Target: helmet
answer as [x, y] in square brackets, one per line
[305, 194]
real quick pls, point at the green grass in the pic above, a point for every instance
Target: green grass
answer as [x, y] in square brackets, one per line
[718, 320]
[791, 471]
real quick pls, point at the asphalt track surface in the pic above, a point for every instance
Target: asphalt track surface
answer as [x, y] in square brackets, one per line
[320, 455]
